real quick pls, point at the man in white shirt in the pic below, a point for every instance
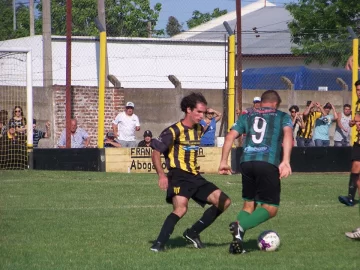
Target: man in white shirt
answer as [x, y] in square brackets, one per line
[125, 125]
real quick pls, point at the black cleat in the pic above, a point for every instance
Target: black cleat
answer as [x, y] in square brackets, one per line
[236, 246]
[346, 200]
[193, 238]
[157, 247]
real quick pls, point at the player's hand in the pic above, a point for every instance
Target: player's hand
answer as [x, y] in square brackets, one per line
[225, 169]
[163, 182]
[284, 169]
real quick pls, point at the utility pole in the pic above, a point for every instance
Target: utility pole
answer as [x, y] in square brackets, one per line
[102, 19]
[47, 50]
[238, 55]
[149, 29]
[31, 10]
[14, 14]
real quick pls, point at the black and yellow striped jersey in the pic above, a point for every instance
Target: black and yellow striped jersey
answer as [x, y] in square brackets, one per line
[309, 122]
[180, 145]
[357, 106]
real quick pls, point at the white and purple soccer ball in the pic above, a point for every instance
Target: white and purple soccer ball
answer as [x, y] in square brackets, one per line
[268, 241]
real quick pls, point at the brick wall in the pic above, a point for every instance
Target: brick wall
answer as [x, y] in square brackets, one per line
[84, 108]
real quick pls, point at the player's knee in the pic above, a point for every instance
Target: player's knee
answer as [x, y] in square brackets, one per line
[180, 211]
[272, 210]
[223, 201]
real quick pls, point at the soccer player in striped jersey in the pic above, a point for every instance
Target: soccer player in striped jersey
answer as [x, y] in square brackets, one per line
[267, 131]
[349, 200]
[180, 144]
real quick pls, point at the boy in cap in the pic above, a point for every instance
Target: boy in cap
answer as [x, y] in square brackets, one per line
[147, 139]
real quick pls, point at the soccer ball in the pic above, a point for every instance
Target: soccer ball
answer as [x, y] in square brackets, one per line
[268, 241]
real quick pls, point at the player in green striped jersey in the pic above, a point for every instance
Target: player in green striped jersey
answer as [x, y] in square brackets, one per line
[268, 133]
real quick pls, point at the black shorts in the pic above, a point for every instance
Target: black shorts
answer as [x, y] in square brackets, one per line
[260, 182]
[188, 185]
[355, 152]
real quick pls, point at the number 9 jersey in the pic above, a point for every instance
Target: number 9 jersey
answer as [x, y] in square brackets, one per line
[264, 134]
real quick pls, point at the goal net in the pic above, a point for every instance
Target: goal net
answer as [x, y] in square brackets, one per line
[16, 110]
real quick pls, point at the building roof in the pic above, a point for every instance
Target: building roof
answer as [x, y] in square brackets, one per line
[270, 22]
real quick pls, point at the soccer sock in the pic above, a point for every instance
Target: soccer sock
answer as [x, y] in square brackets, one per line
[206, 220]
[353, 184]
[259, 216]
[168, 228]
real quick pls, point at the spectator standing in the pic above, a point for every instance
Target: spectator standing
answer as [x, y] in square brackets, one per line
[79, 137]
[304, 135]
[256, 105]
[125, 125]
[38, 134]
[3, 121]
[296, 118]
[322, 125]
[13, 154]
[110, 140]
[147, 139]
[209, 125]
[343, 129]
[19, 120]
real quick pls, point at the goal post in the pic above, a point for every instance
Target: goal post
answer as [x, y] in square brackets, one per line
[16, 90]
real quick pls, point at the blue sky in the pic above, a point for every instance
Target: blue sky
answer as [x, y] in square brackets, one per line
[183, 9]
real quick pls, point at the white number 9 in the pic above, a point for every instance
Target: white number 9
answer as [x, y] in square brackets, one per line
[260, 131]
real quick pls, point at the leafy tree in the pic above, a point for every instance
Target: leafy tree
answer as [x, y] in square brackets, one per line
[125, 18]
[319, 29]
[200, 18]
[6, 20]
[173, 26]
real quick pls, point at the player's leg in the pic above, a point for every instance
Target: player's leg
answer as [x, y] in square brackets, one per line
[354, 176]
[207, 193]
[355, 234]
[180, 205]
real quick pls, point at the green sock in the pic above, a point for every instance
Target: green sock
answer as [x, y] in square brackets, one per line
[259, 216]
[242, 215]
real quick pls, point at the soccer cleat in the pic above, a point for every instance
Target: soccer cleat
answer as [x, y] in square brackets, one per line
[236, 246]
[193, 238]
[346, 200]
[355, 234]
[157, 247]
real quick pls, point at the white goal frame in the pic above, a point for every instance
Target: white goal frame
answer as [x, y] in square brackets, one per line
[29, 90]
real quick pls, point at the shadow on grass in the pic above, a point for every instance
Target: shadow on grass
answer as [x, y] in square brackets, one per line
[180, 242]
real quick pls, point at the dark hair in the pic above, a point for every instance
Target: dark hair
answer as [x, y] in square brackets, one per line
[357, 83]
[308, 103]
[13, 112]
[271, 96]
[327, 106]
[191, 100]
[294, 107]
[347, 105]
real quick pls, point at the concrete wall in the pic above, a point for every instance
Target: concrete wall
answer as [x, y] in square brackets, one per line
[156, 108]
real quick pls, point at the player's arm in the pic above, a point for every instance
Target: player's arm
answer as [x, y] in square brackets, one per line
[307, 110]
[284, 167]
[160, 145]
[224, 168]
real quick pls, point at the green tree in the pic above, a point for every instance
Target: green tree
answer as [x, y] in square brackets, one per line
[319, 29]
[6, 21]
[125, 18]
[200, 18]
[173, 26]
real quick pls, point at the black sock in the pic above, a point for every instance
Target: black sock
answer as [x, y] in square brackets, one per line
[168, 228]
[353, 185]
[206, 220]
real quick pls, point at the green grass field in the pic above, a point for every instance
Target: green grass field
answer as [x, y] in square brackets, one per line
[84, 220]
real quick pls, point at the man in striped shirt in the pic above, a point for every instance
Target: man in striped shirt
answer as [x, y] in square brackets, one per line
[180, 144]
[304, 135]
[39, 134]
